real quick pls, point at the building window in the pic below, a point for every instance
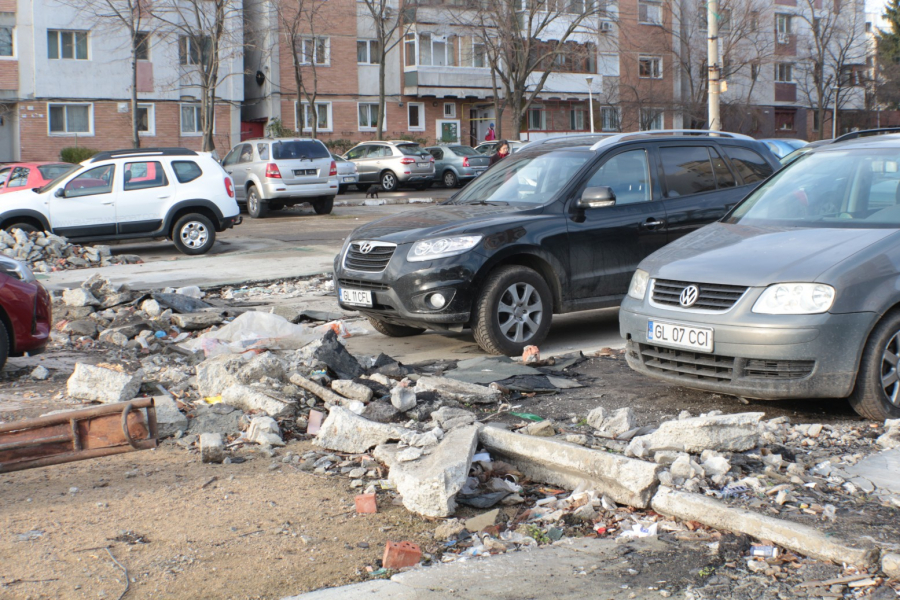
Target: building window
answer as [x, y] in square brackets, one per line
[6, 41]
[783, 28]
[609, 118]
[71, 119]
[650, 67]
[146, 119]
[437, 50]
[449, 110]
[784, 120]
[322, 112]
[409, 49]
[784, 73]
[754, 21]
[192, 51]
[67, 44]
[142, 45]
[651, 118]
[191, 121]
[416, 116]
[368, 116]
[537, 118]
[576, 119]
[868, 26]
[368, 52]
[815, 120]
[478, 53]
[650, 13]
[314, 51]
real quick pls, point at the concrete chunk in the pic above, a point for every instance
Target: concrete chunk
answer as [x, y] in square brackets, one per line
[429, 485]
[216, 374]
[196, 321]
[246, 398]
[265, 431]
[612, 424]
[79, 297]
[625, 480]
[794, 536]
[100, 384]
[262, 365]
[212, 448]
[732, 433]
[352, 390]
[403, 398]
[890, 565]
[457, 390]
[347, 432]
[169, 420]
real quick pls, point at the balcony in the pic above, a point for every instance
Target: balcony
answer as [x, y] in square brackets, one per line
[785, 44]
[785, 92]
[448, 82]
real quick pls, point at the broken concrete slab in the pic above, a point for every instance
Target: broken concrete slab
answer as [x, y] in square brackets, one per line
[429, 485]
[100, 384]
[347, 432]
[382, 412]
[212, 448]
[246, 398]
[881, 469]
[403, 398]
[732, 433]
[625, 480]
[540, 429]
[488, 369]
[448, 418]
[352, 390]
[180, 303]
[79, 297]
[265, 432]
[216, 374]
[611, 424]
[262, 365]
[322, 392]
[457, 390]
[169, 420]
[196, 321]
[86, 327]
[890, 565]
[793, 536]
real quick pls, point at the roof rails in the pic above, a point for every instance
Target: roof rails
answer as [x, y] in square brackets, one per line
[637, 134]
[142, 152]
[563, 138]
[866, 133]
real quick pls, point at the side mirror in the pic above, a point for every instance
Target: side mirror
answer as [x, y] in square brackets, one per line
[60, 192]
[597, 197]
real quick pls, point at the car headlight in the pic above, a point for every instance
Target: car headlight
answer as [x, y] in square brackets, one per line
[795, 299]
[441, 247]
[638, 286]
[14, 268]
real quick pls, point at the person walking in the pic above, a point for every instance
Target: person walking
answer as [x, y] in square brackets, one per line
[501, 153]
[491, 134]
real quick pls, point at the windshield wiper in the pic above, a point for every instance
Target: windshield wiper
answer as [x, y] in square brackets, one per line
[488, 203]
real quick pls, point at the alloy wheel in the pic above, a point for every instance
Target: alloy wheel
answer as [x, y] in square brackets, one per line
[890, 378]
[520, 312]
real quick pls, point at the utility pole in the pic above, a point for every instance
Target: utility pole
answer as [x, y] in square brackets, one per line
[712, 59]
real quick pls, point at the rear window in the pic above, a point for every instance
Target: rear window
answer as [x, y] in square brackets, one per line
[54, 171]
[412, 150]
[751, 166]
[186, 170]
[465, 151]
[298, 150]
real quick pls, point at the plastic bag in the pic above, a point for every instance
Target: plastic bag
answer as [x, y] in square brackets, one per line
[252, 330]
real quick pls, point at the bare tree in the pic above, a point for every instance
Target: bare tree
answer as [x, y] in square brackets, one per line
[390, 27]
[133, 19]
[206, 35]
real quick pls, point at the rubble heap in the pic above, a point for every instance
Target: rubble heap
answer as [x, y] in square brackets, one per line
[45, 252]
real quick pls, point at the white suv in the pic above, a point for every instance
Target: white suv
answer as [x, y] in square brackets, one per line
[172, 193]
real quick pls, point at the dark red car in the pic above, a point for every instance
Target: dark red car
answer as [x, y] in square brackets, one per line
[25, 311]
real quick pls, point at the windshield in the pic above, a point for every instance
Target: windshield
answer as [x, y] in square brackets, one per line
[858, 188]
[412, 150]
[301, 150]
[465, 151]
[54, 171]
[58, 179]
[529, 179]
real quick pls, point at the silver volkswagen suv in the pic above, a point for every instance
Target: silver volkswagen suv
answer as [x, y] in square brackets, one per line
[274, 173]
[392, 164]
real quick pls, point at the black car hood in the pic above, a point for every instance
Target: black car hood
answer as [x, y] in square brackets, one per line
[758, 256]
[447, 219]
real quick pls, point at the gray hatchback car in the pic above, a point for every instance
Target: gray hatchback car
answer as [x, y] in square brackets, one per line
[392, 164]
[794, 294]
[456, 164]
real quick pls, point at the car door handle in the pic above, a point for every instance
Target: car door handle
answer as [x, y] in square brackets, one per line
[652, 223]
[107, 203]
[164, 197]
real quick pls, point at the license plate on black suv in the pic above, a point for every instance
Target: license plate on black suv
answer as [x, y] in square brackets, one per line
[299, 172]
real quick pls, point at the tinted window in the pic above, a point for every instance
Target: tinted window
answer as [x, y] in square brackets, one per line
[724, 177]
[436, 153]
[246, 154]
[93, 181]
[411, 150]
[4, 173]
[19, 177]
[263, 150]
[298, 150]
[232, 156]
[358, 152]
[142, 175]
[186, 170]
[687, 170]
[628, 174]
[379, 152]
[54, 171]
[464, 151]
[750, 165]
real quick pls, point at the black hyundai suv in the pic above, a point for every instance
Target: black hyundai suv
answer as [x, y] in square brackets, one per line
[558, 227]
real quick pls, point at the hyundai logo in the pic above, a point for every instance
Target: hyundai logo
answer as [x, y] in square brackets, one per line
[689, 296]
[366, 247]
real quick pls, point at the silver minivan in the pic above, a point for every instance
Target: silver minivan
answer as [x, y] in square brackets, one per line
[274, 173]
[392, 164]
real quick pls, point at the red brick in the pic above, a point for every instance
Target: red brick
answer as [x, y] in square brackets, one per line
[365, 504]
[401, 554]
[315, 422]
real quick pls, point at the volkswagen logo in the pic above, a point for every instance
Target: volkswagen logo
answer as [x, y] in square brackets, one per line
[366, 247]
[689, 296]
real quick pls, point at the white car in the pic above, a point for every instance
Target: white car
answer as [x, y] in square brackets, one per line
[171, 193]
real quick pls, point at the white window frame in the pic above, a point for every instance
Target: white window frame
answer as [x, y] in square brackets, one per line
[410, 39]
[74, 44]
[374, 127]
[789, 68]
[577, 114]
[88, 133]
[449, 115]
[606, 110]
[314, 41]
[449, 55]
[328, 112]
[199, 122]
[649, 20]
[12, 30]
[151, 119]
[655, 73]
[421, 107]
[368, 44]
[537, 108]
[660, 115]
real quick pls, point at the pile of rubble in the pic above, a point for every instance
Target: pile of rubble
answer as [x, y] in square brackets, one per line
[45, 252]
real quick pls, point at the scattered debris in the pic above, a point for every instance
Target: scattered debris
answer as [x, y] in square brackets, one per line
[45, 252]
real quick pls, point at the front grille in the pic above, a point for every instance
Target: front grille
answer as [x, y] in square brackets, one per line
[686, 364]
[360, 284]
[779, 369]
[712, 296]
[374, 261]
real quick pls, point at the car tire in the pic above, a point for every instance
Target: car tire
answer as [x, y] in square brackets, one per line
[26, 227]
[323, 206]
[363, 187]
[877, 392]
[194, 234]
[513, 310]
[389, 181]
[256, 208]
[392, 330]
[4, 345]
[450, 179]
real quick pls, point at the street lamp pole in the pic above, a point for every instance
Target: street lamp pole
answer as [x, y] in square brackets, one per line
[590, 80]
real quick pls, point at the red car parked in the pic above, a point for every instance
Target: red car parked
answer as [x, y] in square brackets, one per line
[25, 311]
[25, 176]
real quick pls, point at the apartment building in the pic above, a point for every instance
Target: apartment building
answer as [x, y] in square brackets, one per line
[66, 79]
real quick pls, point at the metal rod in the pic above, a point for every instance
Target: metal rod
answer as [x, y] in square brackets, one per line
[85, 413]
[56, 439]
[58, 459]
